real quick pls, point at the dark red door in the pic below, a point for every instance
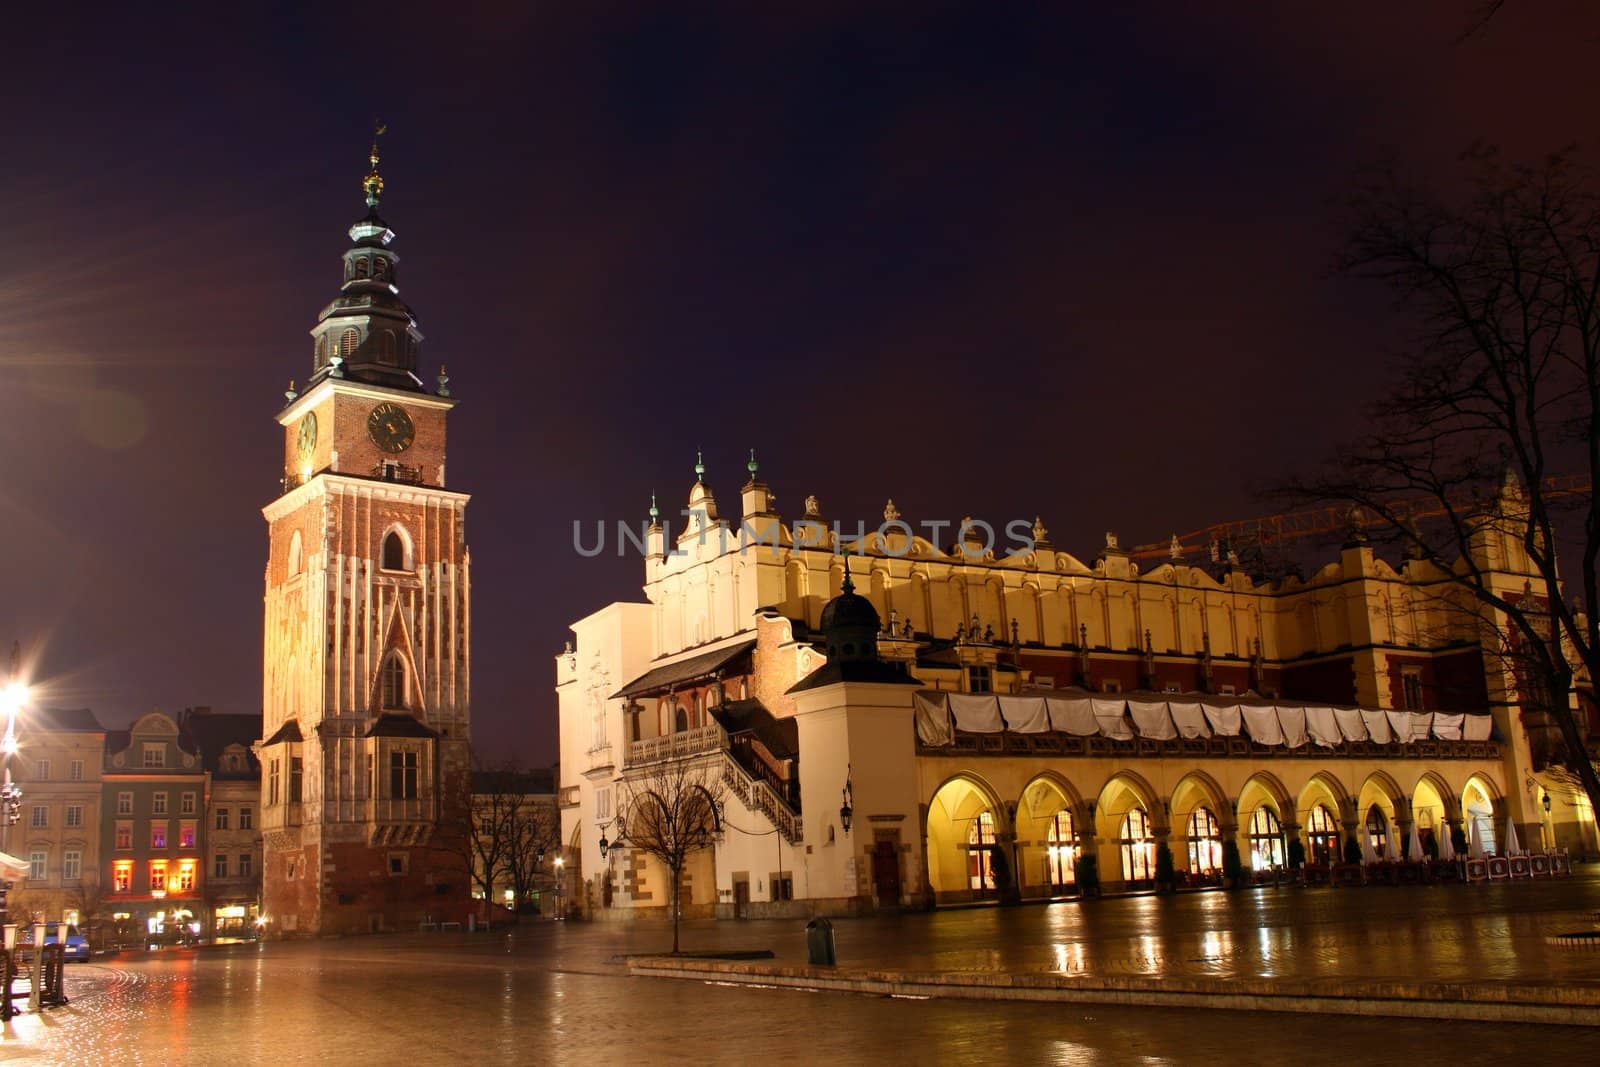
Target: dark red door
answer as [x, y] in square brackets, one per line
[886, 873]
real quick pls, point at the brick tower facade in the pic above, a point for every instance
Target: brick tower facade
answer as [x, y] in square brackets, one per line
[366, 653]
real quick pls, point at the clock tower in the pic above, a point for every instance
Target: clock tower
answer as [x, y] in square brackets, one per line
[366, 651]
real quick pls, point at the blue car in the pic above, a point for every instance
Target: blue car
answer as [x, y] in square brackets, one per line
[77, 950]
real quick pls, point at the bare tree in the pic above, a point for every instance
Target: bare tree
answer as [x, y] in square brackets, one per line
[670, 811]
[1491, 436]
[476, 845]
[532, 832]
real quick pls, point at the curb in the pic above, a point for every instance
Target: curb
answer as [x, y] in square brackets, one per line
[1467, 1001]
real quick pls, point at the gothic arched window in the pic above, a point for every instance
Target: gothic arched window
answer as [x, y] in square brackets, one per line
[296, 554]
[1266, 840]
[1205, 842]
[394, 552]
[393, 688]
[1324, 835]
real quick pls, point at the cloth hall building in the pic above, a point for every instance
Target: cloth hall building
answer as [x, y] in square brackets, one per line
[880, 736]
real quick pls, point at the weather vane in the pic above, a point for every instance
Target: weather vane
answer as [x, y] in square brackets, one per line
[373, 182]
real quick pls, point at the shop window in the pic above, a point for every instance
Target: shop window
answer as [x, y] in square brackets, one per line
[1205, 842]
[1061, 853]
[1266, 840]
[980, 869]
[1138, 847]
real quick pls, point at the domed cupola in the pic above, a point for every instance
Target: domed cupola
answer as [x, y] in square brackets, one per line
[368, 333]
[850, 624]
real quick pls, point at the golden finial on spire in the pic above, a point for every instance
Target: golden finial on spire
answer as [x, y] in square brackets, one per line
[373, 182]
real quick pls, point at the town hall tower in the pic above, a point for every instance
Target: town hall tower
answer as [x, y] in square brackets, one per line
[366, 650]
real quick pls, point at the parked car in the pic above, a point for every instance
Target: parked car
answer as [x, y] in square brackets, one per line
[77, 950]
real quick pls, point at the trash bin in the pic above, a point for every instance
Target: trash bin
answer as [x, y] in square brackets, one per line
[819, 943]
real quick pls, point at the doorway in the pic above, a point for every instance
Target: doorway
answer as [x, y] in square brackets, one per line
[741, 900]
[886, 872]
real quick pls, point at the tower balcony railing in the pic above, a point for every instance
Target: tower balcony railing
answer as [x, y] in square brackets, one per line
[397, 472]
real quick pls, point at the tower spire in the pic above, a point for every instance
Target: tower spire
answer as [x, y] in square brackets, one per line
[373, 182]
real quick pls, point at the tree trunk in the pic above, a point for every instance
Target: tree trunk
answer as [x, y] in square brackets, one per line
[677, 876]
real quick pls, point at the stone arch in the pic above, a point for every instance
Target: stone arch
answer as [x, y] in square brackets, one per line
[1050, 821]
[1381, 803]
[1481, 807]
[395, 553]
[1267, 783]
[1196, 789]
[960, 801]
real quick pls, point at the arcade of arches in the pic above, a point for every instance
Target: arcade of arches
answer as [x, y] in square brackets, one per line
[1003, 815]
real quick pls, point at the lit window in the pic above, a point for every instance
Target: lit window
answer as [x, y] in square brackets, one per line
[1324, 836]
[1061, 857]
[1377, 830]
[72, 866]
[36, 865]
[158, 804]
[1138, 847]
[158, 876]
[186, 835]
[244, 819]
[980, 872]
[158, 835]
[40, 816]
[1205, 842]
[1266, 840]
[186, 877]
[122, 878]
[222, 818]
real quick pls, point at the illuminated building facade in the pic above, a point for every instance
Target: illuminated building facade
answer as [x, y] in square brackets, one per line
[58, 765]
[971, 707]
[152, 830]
[366, 657]
[231, 865]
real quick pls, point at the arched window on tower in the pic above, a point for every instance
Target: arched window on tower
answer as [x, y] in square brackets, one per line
[380, 267]
[392, 690]
[349, 341]
[362, 267]
[296, 554]
[394, 552]
[386, 347]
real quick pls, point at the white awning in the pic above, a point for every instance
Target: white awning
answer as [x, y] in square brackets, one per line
[1323, 726]
[1224, 718]
[1112, 722]
[1150, 718]
[933, 719]
[976, 713]
[1262, 724]
[1293, 721]
[1072, 715]
[1189, 718]
[1025, 715]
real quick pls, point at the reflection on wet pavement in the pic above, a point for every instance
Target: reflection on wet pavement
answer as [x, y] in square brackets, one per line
[554, 993]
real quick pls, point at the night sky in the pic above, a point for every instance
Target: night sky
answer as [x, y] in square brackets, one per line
[998, 260]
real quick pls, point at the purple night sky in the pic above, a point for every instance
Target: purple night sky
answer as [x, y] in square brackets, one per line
[994, 260]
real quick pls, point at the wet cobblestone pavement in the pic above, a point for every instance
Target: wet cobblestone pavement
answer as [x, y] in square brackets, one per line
[555, 993]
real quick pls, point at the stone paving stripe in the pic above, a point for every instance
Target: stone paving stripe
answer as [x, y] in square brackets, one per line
[1532, 1002]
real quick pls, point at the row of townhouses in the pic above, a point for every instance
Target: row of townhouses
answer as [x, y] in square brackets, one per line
[144, 834]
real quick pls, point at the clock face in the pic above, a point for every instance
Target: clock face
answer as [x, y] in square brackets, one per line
[390, 427]
[307, 439]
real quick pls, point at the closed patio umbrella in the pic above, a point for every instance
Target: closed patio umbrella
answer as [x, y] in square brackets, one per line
[1474, 839]
[1414, 848]
[1368, 853]
[1447, 846]
[1512, 847]
[1391, 847]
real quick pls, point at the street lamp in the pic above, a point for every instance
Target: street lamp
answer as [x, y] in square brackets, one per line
[607, 846]
[845, 810]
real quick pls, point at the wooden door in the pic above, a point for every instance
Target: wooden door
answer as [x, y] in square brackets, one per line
[886, 873]
[741, 900]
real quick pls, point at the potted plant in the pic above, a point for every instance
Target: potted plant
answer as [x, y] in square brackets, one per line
[1166, 877]
[1088, 876]
[1232, 868]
